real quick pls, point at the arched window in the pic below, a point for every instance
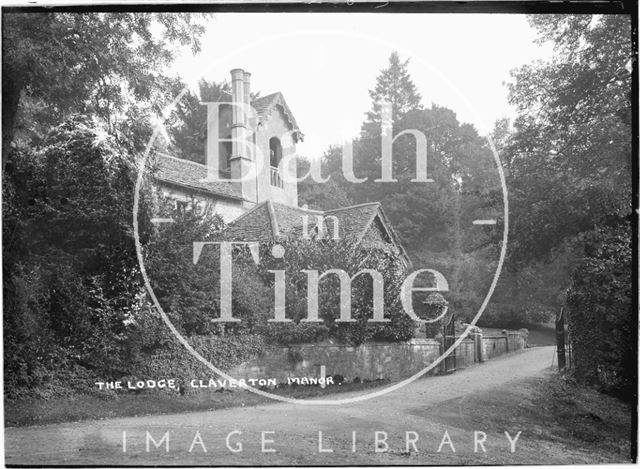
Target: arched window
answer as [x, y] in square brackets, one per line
[275, 151]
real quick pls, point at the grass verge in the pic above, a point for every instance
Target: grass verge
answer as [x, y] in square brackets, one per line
[572, 424]
[24, 412]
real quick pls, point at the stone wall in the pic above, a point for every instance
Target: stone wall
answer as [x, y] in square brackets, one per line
[508, 341]
[494, 346]
[517, 340]
[465, 354]
[371, 361]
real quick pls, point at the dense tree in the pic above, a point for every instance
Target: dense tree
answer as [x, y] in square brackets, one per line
[321, 195]
[70, 273]
[602, 321]
[70, 276]
[433, 219]
[190, 293]
[570, 155]
[569, 159]
[188, 122]
[395, 87]
[56, 64]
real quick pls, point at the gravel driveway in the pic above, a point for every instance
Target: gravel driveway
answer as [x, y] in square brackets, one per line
[289, 434]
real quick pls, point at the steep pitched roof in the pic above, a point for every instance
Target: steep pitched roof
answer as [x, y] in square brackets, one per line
[270, 221]
[264, 105]
[355, 220]
[190, 175]
[266, 222]
[255, 225]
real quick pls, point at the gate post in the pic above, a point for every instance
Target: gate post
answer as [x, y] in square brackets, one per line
[443, 364]
[449, 339]
[562, 360]
[478, 345]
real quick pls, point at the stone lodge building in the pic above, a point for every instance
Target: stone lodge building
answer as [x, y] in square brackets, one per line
[265, 207]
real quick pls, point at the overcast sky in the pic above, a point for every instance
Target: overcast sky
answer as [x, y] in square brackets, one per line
[324, 64]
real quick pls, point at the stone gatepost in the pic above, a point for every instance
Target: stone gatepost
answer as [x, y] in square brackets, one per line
[505, 333]
[478, 345]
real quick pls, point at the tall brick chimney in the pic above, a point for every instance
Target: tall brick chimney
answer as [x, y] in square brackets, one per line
[241, 162]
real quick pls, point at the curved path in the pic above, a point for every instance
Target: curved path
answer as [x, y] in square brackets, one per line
[292, 431]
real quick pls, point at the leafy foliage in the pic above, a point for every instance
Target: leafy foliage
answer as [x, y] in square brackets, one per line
[322, 255]
[172, 359]
[394, 86]
[71, 283]
[189, 293]
[532, 293]
[435, 305]
[569, 159]
[320, 195]
[433, 219]
[188, 123]
[70, 274]
[601, 316]
[74, 304]
[57, 64]
[570, 154]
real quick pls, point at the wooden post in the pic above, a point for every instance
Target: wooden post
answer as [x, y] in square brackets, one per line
[562, 360]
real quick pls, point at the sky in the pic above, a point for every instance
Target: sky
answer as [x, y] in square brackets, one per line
[324, 64]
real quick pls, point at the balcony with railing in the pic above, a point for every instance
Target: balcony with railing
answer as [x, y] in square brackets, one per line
[276, 180]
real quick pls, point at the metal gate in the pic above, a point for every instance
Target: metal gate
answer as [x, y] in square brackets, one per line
[449, 338]
[563, 343]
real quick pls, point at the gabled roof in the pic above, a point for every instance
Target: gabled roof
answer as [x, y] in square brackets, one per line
[357, 219]
[190, 175]
[266, 104]
[255, 225]
[270, 221]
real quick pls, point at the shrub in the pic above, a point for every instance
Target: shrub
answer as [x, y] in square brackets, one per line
[434, 306]
[601, 318]
[75, 308]
[70, 271]
[300, 255]
[173, 360]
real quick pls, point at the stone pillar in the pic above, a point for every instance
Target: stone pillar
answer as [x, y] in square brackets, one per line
[478, 347]
[505, 333]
